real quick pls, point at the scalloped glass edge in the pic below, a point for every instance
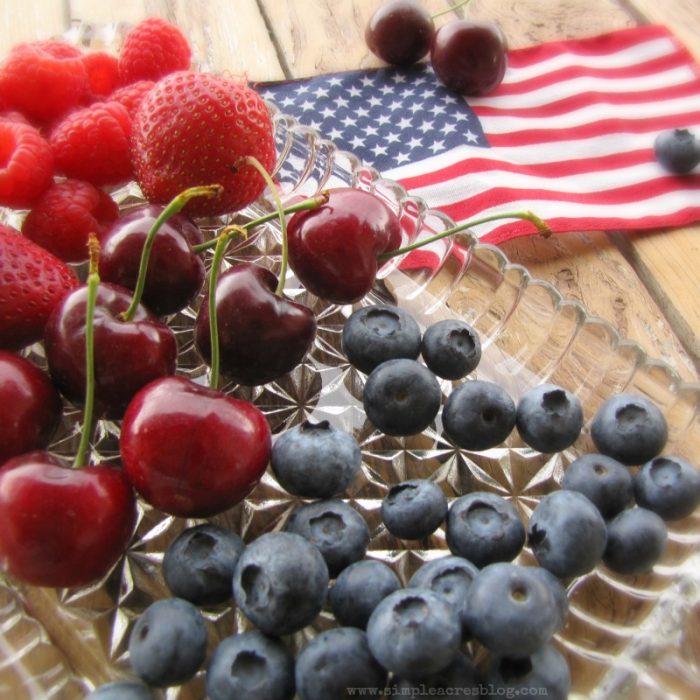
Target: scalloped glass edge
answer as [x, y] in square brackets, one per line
[317, 164]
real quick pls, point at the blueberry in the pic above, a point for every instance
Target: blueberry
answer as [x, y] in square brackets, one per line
[451, 349]
[249, 666]
[168, 642]
[413, 633]
[460, 678]
[315, 460]
[375, 334]
[557, 589]
[511, 610]
[567, 534]
[549, 418]
[121, 690]
[338, 531]
[414, 509]
[198, 565]
[545, 674]
[606, 482]
[484, 528]
[450, 578]
[629, 428]
[401, 397]
[670, 486]
[337, 660]
[636, 541]
[677, 150]
[478, 415]
[280, 583]
[358, 590]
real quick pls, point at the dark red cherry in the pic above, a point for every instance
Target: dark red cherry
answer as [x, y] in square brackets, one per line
[262, 335]
[30, 406]
[192, 451]
[333, 249]
[62, 527]
[175, 272]
[128, 354]
[400, 32]
[469, 56]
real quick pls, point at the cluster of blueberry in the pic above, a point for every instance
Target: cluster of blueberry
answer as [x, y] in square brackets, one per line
[411, 637]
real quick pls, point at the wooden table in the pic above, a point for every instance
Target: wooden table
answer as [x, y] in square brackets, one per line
[646, 284]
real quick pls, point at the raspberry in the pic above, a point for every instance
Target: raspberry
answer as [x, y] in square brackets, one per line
[39, 83]
[26, 164]
[131, 95]
[58, 48]
[152, 49]
[93, 144]
[66, 214]
[102, 71]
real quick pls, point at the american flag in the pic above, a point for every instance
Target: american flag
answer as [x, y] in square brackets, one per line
[569, 133]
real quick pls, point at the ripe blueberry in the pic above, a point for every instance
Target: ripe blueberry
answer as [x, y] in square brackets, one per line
[451, 348]
[636, 541]
[670, 486]
[677, 150]
[414, 509]
[461, 677]
[121, 690]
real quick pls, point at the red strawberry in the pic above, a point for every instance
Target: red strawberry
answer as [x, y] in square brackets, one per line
[193, 129]
[33, 282]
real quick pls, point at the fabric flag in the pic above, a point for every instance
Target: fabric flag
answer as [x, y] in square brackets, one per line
[569, 133]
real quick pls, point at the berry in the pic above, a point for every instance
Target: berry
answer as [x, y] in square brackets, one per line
[413, 633]
[567, 534]
[636, 540]
[478, 415]
[92, 144]
[249, 666]
[121, 690]
[469, 56]
[358, 589]
[669, 486]
[461, 677]
[131, 95]
[336, 528]
[152, 49]
[511, 611]
[27, 164]
[561, 599]
[43, 81]
[315, 460]
[33, 283]
[65, 214]
[606, 482]
[194, 129]
[401, 397]
[333, 662]
[168, 643]
[414, 509]
[677, 150]
[198, 564]
[451, 349]
[629, 428]
[484, 528]
[280, 583]
[400, 32]
[102, 73]
[375, 334]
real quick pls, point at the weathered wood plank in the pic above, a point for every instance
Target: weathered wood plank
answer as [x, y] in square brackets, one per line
[23, 21]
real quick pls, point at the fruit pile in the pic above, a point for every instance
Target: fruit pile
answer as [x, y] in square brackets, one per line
[193, 451]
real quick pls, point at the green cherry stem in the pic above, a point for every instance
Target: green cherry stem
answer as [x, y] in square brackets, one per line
[93, 282]
[175, 206]
[525, 215]
[450, 8]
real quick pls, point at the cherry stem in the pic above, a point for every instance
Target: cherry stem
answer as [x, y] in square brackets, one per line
[450, 8]
[93, 282]
[525, 215]
[175, 206]
[222, 241]
[310, 203]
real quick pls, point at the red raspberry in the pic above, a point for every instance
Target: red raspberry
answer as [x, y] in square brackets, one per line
[66, 214]
[102, 71]
[93, 144]
[42, 85]
[58, 48]
[152, 49]
[131, 95]
[26, 164]
[193, 129]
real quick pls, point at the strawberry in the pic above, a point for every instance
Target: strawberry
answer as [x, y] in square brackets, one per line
[194, 129]
[33, 282]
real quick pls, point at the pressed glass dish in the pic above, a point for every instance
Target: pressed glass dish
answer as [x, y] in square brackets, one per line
[626, 637]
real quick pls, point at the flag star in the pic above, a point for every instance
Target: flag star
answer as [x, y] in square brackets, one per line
[426, 126]
[371, 131]
[437, 109]
[461, 116]
[383, 119]
[334, 82]
[315, 125]
[374, 101]
[392, 138]
[327, 112]
[448, 128]
[420, 80]
[404, 123]
[437, 146]
[386, 89]
[321, 91]
[335, 134]
[398, 78]
[402, 158]
[307, 105]
[288, 101]
[396, 104]
[416, 107]
[415, 142]
[379, 150]
[362, 112]
[357, 142]
[408, 92]
[348, 121]
[302, 87]
[471, 137]
[354, 91]
[341, 102]
[367, 81]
